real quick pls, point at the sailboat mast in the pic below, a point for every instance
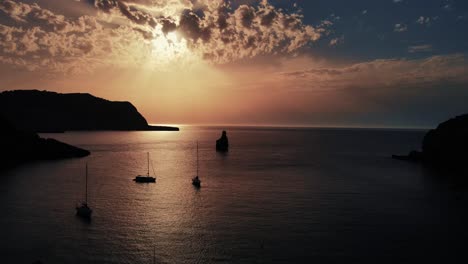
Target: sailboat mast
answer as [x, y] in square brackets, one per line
[148, 162]
[197, 157]
[86, 185]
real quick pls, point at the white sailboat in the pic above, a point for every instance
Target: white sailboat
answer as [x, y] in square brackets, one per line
[196, 180]
[84, 210]
[145, 178]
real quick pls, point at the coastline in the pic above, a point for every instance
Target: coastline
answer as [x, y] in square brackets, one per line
[149, 128]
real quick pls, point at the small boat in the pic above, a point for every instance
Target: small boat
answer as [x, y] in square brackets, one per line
[84, 210]
[145, 178]
[196, 181]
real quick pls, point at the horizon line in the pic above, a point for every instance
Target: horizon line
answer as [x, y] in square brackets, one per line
[295, 126]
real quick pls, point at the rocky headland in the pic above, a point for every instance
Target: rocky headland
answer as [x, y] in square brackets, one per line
[18, 146]
[44, 111]
[445, 146]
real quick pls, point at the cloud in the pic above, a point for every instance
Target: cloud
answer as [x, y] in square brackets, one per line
[381, 87]
[126, 9]
[220, 33]
[54, 44]
[399, 91]
[400, 27]
[423, 20]
[420, 48]
[448, 7]
[336, 41]
[18, 11]
[212, 30]
[385, 72]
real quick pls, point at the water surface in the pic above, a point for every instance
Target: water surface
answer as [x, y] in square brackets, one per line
[278, 196]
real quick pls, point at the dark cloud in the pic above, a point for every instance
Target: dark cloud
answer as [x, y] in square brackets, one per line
[168, 25]
[133, 14]
[246, 15]
[136, 16]
[190, 25]
[223, 15]
[268, 18]
[104, 5]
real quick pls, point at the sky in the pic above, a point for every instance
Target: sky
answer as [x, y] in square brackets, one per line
[340, 63]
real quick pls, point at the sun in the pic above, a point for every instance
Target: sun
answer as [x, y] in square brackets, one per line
[170, 48]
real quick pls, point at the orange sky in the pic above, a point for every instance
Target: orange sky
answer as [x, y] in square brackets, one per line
[249, 64]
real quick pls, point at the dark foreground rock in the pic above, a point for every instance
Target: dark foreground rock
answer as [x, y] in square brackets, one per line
[43, 111]
[445, 146]
[414, 156]
[222, 144]
[18, 146]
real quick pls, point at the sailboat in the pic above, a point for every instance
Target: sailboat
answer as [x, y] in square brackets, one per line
[196, 181]
[147, 178]
[83, 210]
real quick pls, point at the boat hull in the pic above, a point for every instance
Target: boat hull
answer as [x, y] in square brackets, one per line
[84, 211]
[196, 182]
[144, 179]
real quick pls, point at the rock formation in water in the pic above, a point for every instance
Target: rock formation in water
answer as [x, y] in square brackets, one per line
[18, 146]
[222, 144]
[447, 145]
[43, 111]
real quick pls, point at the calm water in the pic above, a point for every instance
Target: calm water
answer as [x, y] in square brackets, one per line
[280, 195]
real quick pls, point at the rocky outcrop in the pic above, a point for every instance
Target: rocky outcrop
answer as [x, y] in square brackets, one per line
[222, 144]
[18, 146]
[447, 145]
[43, 111]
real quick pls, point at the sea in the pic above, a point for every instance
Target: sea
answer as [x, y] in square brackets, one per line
[280, 195]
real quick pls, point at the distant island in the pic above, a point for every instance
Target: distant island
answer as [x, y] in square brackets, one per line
[19, 146]
[45, 111]
[445, 146]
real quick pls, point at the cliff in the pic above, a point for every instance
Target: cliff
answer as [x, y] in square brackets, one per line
[19, 146]
[446, 146]
[448, 143]
[43, 111]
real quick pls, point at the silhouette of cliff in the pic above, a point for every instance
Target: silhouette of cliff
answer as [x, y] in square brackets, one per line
[222, 144]
[44, 111]
[447, 145]
[19, 146]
